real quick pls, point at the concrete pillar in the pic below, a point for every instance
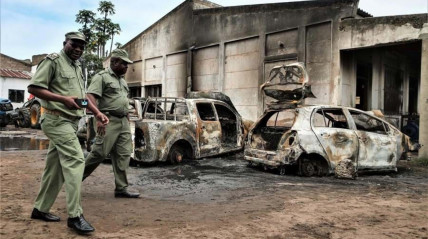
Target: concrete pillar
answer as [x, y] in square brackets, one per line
[423, 99]
[221, 66]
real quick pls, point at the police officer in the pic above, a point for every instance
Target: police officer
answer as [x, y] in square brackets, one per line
[109, 91]
[58, 82]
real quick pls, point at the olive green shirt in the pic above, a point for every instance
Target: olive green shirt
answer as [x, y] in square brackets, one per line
[60, 75]
[112, 92]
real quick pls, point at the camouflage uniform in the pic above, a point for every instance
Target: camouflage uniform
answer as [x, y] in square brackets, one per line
[64, 161]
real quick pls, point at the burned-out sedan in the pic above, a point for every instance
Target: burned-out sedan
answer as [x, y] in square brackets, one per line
[324, 139]
[173, 129]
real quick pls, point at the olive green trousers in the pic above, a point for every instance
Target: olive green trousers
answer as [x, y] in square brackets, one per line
[64, 165]
[117, 141]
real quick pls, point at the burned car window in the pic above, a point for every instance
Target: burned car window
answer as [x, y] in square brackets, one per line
[330, 118]
[206, 112]
[282, 119]
[368, 123]
[167, 109]
[155, 110]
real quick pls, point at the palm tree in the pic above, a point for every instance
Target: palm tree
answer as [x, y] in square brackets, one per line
[118, 44]
[106, 8]
[86, 18]
[113, 29]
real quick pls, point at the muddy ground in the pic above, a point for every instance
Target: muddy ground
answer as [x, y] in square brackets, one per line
[221, 198]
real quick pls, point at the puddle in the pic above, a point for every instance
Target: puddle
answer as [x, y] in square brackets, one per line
[22, 143]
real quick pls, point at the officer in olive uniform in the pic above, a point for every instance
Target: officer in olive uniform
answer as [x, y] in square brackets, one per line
[109, 91]
[59, 82]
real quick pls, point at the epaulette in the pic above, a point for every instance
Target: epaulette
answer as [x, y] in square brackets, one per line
[52, 56]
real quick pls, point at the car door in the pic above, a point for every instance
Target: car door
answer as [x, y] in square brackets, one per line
[231, 129]
[208, 129]
[333, 131]
[377, 146]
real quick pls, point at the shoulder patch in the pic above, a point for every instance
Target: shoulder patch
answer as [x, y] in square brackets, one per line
[52, 56]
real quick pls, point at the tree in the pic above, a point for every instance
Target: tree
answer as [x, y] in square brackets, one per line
[118, 44]
[98, 32]
[113, 29]
[106, 8]
[87, 18]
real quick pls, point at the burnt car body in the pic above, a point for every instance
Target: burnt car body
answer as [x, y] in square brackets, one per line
[321, 139]
[173, 129]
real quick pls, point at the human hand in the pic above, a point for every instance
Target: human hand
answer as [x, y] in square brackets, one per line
[102, 118]
[101, 128]
[69, 102]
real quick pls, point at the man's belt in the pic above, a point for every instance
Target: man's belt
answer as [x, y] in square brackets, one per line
[59, 113]
[112, 113]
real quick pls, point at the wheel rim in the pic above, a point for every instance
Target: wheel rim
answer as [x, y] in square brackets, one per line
[33, 117]
[308, 168]
[178, 157]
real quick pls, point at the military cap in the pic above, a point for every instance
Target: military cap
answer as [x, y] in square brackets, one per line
[75, 35]
[122, 54]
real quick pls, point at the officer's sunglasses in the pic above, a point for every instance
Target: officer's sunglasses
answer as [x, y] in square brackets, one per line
[77, 45]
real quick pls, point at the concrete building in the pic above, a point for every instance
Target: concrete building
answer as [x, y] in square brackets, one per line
[352, 58]
[14, 78]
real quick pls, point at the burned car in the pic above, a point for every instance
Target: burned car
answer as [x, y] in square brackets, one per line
[320, 139]
[173, 129]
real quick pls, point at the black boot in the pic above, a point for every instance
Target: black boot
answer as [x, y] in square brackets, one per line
[126, 194]
[80, 225]
[45, 216]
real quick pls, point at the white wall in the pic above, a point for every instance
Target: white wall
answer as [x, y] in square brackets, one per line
[7, 83]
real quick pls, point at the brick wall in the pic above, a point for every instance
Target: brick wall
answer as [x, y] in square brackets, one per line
[36, 59]
[7, 62]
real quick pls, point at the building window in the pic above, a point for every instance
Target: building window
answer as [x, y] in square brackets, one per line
[153, 91]
[135, 91]
[16, 96]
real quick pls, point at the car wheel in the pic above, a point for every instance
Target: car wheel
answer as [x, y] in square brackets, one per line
[24, 120]
[176, 154]
[308, 167]
[35, 116]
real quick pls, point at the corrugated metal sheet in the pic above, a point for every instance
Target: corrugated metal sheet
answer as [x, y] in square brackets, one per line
[15, 74]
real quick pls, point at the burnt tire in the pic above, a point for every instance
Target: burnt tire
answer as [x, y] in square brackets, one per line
[35, 116]
[312, 167]
[176, 154]
[24, 120]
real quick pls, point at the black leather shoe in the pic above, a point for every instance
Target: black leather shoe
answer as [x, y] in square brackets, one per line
[126, 194]
[47, 217]
[80, 225]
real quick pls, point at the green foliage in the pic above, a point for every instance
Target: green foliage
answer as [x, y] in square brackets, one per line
[98, 32]
[92, 63]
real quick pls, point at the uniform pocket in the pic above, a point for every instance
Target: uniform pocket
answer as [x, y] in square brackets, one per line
[67, 79]
[111, 87]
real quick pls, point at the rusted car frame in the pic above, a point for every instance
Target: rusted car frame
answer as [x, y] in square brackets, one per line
[173, 129]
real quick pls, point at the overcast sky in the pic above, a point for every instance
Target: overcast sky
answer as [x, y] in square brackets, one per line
[31, 27]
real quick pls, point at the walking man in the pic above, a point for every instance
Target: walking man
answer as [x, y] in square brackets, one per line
[58, 82]
[109, 91]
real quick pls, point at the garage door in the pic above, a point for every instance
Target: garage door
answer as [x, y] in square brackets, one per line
[175, 85]
[242, 60]
[153, 71]
[205, 69]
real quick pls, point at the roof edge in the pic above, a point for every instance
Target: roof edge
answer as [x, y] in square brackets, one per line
[275, 6]
[21, 61]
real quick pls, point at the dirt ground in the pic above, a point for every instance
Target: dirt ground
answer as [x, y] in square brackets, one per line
[221, 198]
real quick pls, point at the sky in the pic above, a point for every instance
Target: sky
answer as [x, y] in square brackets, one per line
[32, 27]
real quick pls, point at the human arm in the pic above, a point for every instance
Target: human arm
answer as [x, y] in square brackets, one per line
[45, 94]
[102, 120]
